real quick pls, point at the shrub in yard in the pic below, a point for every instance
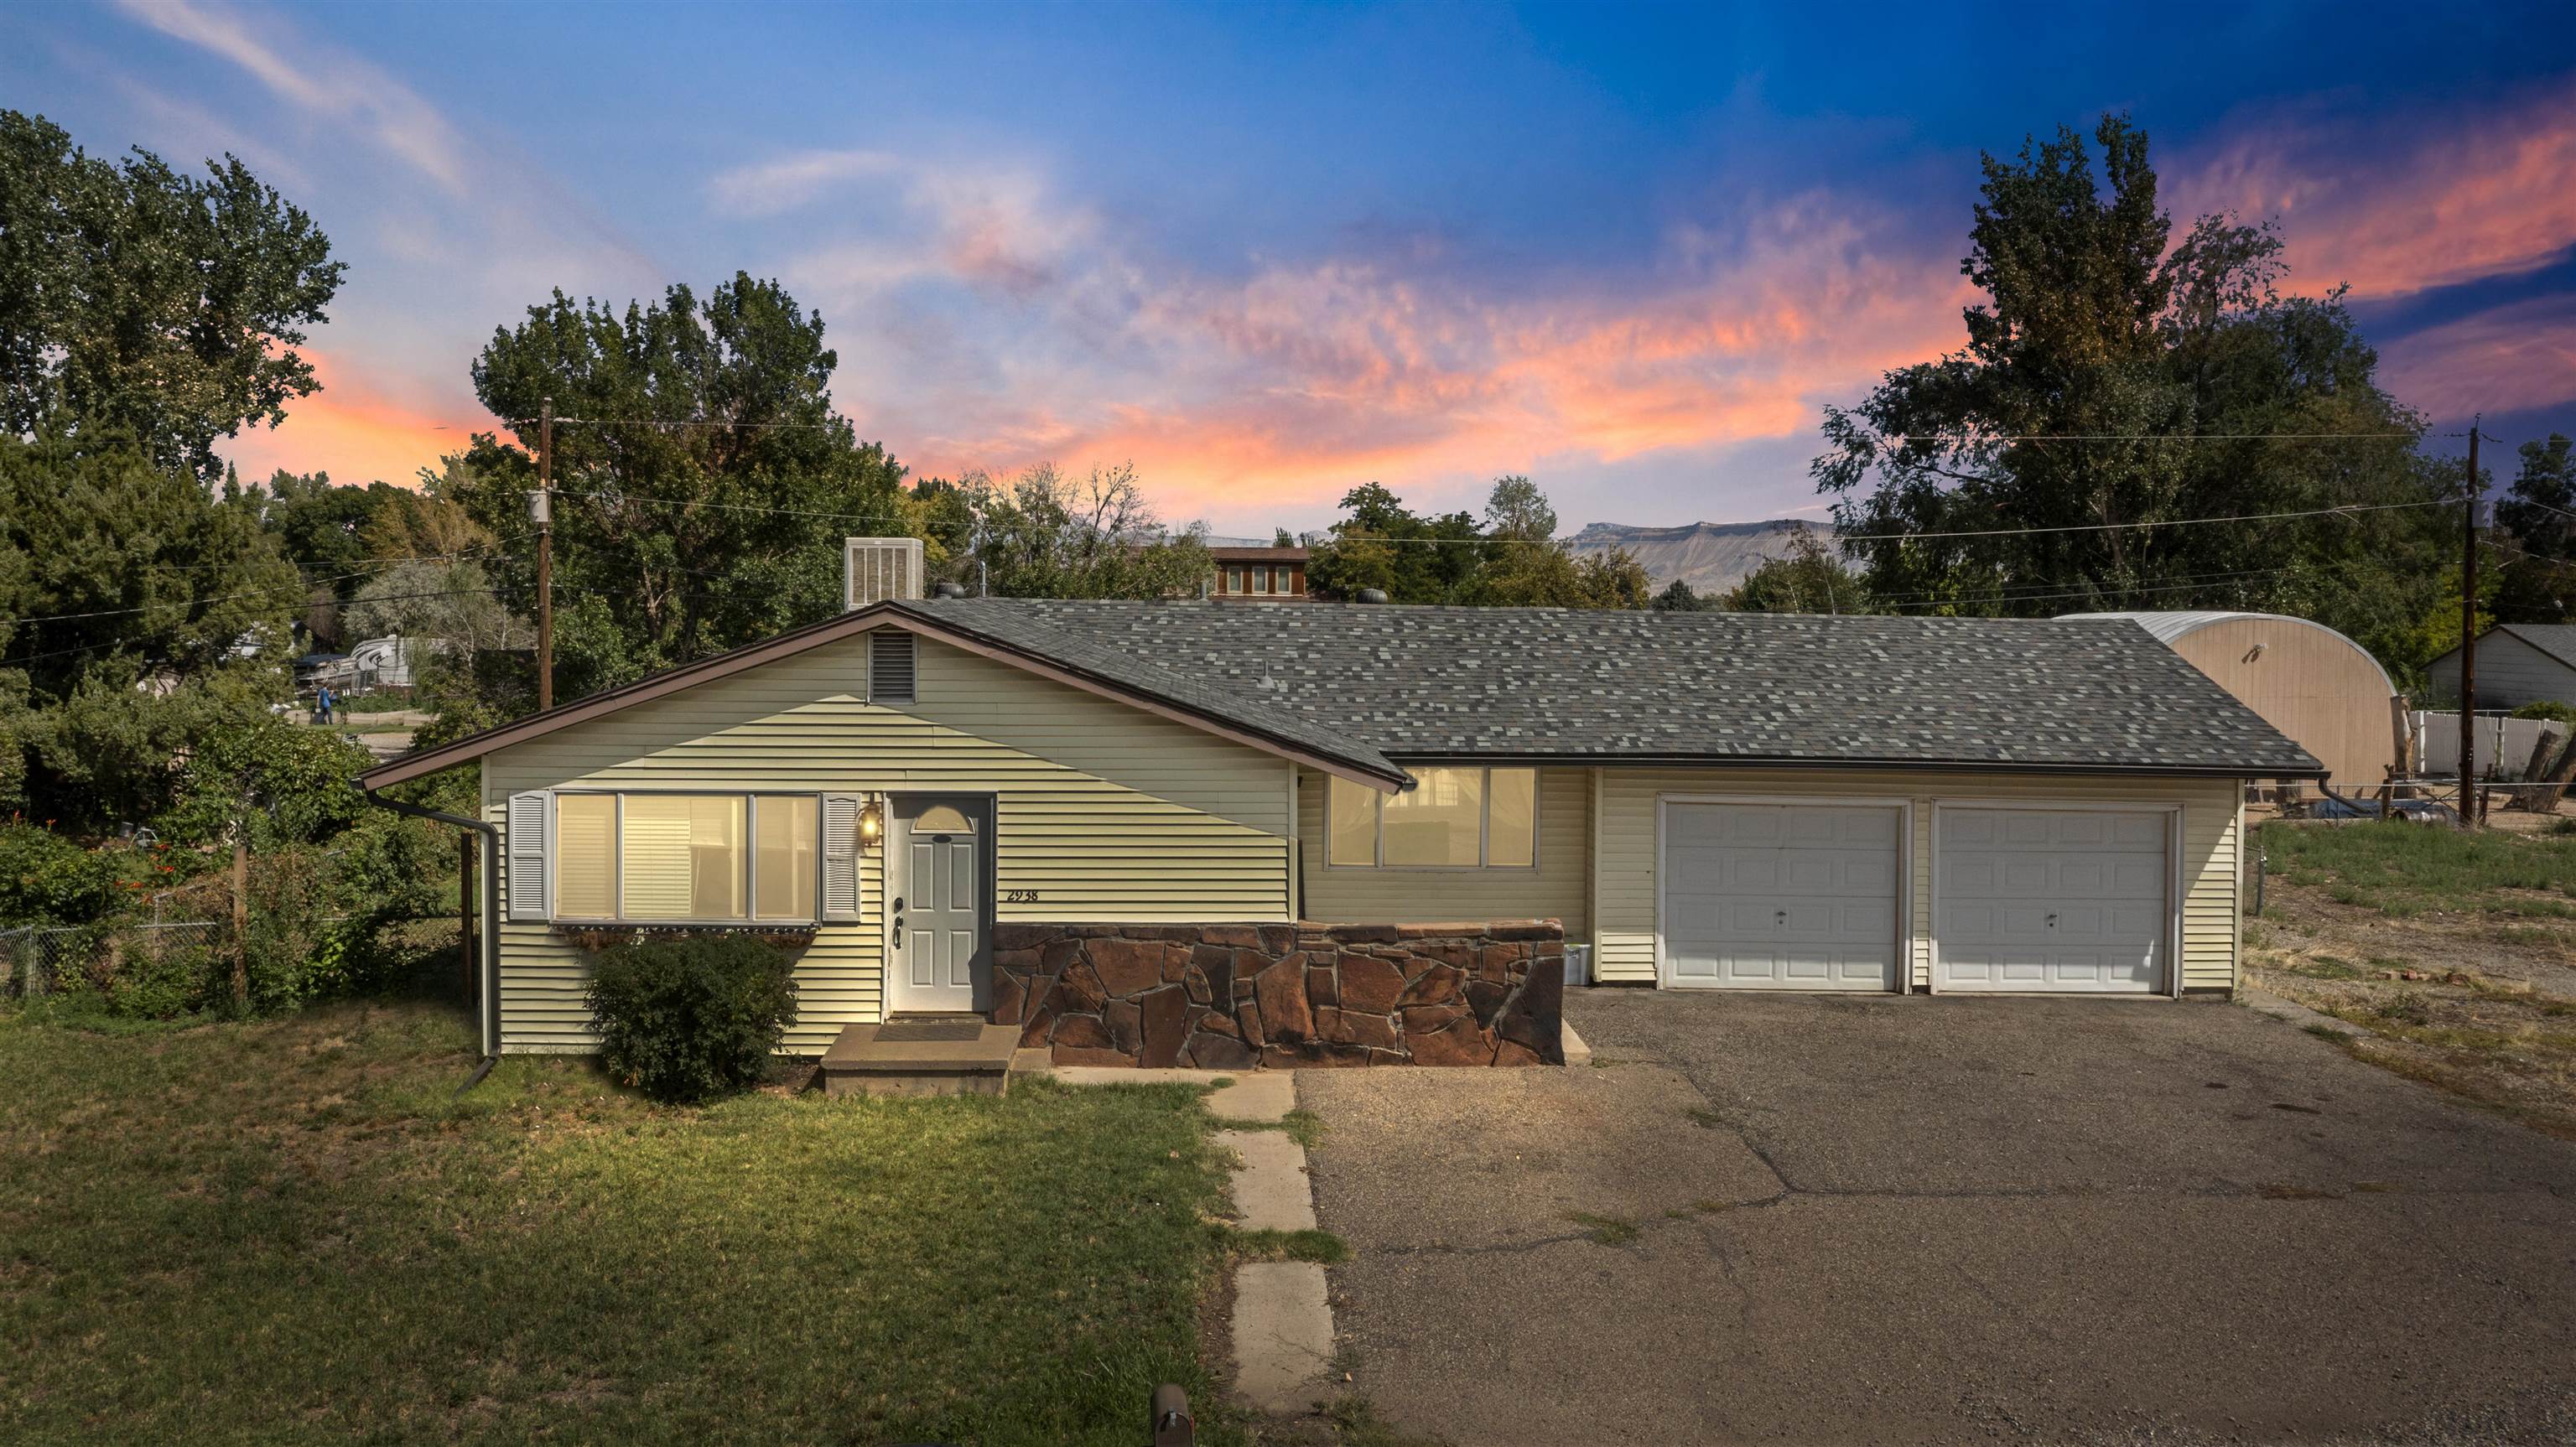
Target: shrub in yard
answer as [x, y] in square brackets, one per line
[2548, 709]
[693, 1018]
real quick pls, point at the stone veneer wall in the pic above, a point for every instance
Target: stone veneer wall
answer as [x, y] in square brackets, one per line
[1227, 996]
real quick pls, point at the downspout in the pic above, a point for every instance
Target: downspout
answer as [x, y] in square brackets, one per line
[488, 1022]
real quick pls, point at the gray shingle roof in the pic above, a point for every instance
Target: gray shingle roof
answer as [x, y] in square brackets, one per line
[2558, 640]
[1419, 684]
[1074, 642]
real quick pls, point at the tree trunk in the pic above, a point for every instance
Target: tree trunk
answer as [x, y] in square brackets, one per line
[2554, 784]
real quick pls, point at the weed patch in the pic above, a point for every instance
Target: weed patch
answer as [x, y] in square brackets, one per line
[1604, 1230]
[1321, 1247]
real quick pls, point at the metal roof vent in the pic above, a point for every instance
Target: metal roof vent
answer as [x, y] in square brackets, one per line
[874, 570]
[1372, 595]
[946, 589]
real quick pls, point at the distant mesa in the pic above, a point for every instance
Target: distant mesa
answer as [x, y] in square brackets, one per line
[1711, 557]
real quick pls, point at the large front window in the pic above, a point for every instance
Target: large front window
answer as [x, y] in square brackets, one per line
[700, 858]
[1449, 819]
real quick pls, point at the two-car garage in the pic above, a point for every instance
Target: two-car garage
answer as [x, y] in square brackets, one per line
[2026, 897]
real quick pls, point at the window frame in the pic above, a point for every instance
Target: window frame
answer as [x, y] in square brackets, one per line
[751, 918]
[1484, 827]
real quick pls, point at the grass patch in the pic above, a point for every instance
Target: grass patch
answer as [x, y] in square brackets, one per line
[1605, 1230]
[2402, 870]
[2319, 967]
[289, 1227]
[1321, 1247]
[1300, 1125]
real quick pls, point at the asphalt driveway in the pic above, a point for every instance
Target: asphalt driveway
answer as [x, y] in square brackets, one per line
[1801, 1218]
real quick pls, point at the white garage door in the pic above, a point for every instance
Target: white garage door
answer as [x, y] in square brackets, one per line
[2060, 900]
[1780, 896]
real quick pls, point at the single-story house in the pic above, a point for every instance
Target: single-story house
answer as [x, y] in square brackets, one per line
[2518, 663]
[1065, 815]
[2318, 687]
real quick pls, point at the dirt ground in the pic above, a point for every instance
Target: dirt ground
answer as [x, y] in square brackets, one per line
[2479, 1000]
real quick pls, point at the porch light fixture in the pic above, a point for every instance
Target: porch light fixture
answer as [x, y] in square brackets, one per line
[871, 822]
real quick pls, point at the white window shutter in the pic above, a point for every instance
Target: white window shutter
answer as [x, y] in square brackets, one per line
[531, 881]
[840, 857]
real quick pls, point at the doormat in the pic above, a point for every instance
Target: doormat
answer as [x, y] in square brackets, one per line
[922, 1032]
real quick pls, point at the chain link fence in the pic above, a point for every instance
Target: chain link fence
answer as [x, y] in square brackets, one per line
[41, 957]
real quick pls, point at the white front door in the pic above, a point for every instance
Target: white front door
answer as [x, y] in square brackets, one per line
[1780, 896]
[935, 904]
[2053, 900]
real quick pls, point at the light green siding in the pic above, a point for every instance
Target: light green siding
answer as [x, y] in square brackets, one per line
[1556, 889]
[1624, 918]
[1105, 812]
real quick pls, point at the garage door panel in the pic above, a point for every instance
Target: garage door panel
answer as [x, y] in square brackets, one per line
[2069, 900]
[1781, 896]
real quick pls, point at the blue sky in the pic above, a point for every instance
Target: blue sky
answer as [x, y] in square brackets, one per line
[1267, 253]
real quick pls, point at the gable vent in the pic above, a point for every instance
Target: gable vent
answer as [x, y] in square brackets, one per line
[890, 673]
[876, 569]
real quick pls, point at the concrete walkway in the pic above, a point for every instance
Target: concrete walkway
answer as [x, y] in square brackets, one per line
[1282, 1323]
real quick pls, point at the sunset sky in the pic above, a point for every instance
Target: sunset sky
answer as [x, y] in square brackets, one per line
[1269, 253]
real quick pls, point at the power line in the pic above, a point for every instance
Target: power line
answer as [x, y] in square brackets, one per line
[121, 642]
[2091, 593]
[300, 587]
[2259, 517]
[1827, 535]
[847, 517]
[1906, 437]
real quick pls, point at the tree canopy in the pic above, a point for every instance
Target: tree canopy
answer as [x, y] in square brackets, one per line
[1044, 535]
[2539, 513]
[703, 480]
[141, 302]
[2114, 381]
[1512, 559]
[104, 551]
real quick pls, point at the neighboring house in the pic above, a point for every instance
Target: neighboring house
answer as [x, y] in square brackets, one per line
[2518, 663]
[2312, 683]
[1259, 574]
[1719, 800]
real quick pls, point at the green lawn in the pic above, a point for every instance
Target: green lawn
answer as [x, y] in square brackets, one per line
[286, 1230]
[2406, 869]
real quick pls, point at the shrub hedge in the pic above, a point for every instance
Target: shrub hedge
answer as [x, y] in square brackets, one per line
[691, 1018]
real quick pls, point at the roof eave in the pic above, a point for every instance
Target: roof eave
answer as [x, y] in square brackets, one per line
[422, 763]
[2311, 770]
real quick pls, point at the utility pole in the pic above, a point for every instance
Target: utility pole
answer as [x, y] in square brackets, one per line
[544, 506]
[2471, 799]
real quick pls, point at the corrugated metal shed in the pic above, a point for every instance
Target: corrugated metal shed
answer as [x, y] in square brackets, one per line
[2305, 679]
[2171, 627]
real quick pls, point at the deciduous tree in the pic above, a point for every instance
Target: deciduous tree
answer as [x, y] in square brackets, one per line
[138, 301]
[2114, 381]
[704, 480]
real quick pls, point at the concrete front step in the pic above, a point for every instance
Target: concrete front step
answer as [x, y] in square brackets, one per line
[860, 1062]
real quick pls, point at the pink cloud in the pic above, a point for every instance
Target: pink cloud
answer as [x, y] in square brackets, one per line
[1283, 389]
[2409, 208]
[353, 432]
[2506, 359]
